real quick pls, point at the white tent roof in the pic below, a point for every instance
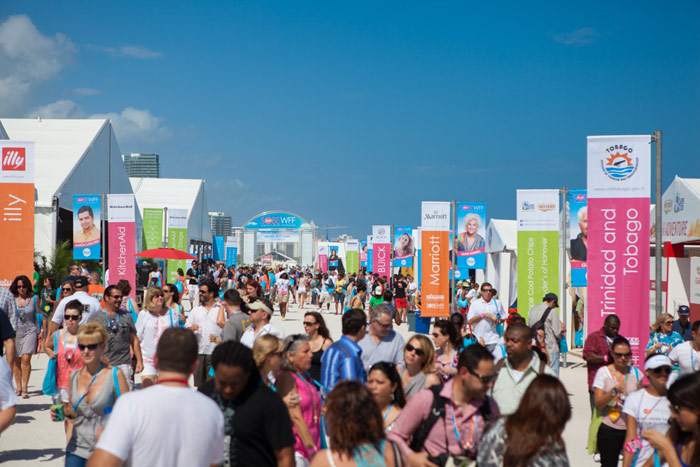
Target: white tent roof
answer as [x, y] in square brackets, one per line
[72, 157]
[680, 220]
[501, 235]
[177, 193]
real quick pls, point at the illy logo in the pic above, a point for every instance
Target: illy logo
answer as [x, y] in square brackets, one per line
[13, 159]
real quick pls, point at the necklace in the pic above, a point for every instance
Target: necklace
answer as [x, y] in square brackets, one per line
[174, 380]
[65, 348]
[311, 389]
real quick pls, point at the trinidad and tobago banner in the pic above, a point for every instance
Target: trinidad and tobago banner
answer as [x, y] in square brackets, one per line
[619, 186]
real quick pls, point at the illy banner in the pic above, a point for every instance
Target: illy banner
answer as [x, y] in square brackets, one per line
[435, 264]
[177, 238]
[381, 250]
[538, 247]
[619, 186]
[17, 204]
[121, 232]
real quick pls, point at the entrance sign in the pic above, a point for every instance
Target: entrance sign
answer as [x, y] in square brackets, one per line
[121, 232]
[435, 265]
[619, 187]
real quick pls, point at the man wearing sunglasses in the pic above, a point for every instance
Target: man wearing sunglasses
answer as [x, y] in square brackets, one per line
[484, 314]
[448, 420]
[381, 343]
[90, 305]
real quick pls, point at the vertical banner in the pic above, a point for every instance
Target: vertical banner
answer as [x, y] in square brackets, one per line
[121, 234]
[694, 288]
[370, 252]
[153, 228]
[323, 258]
[218, 247]
[87, 216]
[352, 253]
[619, 187]
[538, 247]
[333, 257]
[417, 236]
[471, 234]
[381, 250]
[363, 253]
[231, 246]
[435, 244]
[17, 204]
[177, 238]
[404, 247]
[578, 236]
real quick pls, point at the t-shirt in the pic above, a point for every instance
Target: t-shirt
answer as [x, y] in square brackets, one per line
[249, 337]
[260, 424]
[90, 305]
[206, 321]
[687, 358]
[485, 328]
[96, 291]
[8, 397]
[606, 381]
[400, 289]
[651, 413]
[235, 326]
[374, 301]
[119, 326]
[194, 435]
[194, 274]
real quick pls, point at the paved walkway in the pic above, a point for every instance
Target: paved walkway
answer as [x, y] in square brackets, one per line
[37, 441]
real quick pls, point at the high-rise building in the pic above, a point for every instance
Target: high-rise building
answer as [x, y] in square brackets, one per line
[220, 223]
[142, 165]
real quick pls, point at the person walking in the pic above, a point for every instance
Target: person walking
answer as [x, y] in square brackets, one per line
[419, 360]
[597, 352]
[687, 355]
[128, 304]
[192, 278]
[532, 435]
[682, 325]
[238, 320]
[484, 315]
[8, 397]
[202, 321]
[358, 301]
[343, 359]
[267, 353]
[447, 342]
[319, 339]
[195, 436]
[662, 338]
[90, 304]
[153, 320]
[399, 288]
[381, 343]
[172, 303]
[384, 383]
[7, 331]
[25, 324]
[260, 312]
[544, 316]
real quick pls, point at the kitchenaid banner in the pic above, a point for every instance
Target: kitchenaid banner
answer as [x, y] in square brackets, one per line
[121, 234]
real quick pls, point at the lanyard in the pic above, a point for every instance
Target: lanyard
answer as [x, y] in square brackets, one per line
[386, 414]
[639, 413]
[107, 318]
[474, 431]
[65, 347]
[624, 380]
[75, 407]
[173, 380]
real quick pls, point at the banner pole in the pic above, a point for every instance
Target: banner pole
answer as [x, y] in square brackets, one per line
[658, 279]
[391, 256]
[453, 229]
[562, 274]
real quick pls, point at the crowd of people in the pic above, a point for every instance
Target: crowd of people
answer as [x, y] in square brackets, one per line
[484, 390]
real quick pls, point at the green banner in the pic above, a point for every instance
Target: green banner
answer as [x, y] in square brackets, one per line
[538, 267]
[177, 239]
[153, 228]
[352, 258]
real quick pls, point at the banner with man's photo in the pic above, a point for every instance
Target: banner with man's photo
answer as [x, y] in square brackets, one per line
[578, 237]
[403, 247]
[87, 217]
[471, 233]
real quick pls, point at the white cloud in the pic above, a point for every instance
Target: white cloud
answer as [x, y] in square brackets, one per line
[137, 125]
[28, 58]
[126, 51]
[581, 36]
[59, 109]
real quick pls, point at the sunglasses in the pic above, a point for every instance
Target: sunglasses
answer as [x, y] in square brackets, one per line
[410, 348]
[668, 322]
[484, 379]
[21, 286]
[71, 317]
[626, 354]
[486, 290]
[67, 289]
[307, 323]
[89, 346]
[117, 297]
[158, 296]
[437, 334]
[662, 370]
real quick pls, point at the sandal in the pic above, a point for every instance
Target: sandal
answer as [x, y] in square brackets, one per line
[25, 395]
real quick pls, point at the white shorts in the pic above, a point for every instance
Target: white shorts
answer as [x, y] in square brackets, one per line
[148, 369]
[325, 297]
[64, 395]
[302, 290]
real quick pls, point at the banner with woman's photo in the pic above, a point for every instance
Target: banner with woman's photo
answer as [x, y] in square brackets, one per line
[403, 247]
[363, 253]
[471, 233]
[578, 235]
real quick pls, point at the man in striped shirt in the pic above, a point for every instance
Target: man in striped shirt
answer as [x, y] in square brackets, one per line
[342, 360]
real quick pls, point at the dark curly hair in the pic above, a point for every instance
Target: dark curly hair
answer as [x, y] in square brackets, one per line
[25, 281]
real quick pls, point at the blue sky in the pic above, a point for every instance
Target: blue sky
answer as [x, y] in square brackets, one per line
[353, 113]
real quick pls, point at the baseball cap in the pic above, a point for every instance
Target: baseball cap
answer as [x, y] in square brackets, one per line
[657, 361]
[81, 281]
[378, 290]
[683, 310]
[551, 296]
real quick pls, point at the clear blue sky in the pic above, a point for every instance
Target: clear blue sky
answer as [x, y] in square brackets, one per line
[352, 113]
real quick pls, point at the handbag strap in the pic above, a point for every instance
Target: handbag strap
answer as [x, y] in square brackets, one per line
[116, 382]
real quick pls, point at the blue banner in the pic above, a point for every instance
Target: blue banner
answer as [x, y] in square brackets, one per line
[578, 234]
[218, 246]
[231, 256]
[87, 217]
[363, 253]
[403, 247]
[470, 242]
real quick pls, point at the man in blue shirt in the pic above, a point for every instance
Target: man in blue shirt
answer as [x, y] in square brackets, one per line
[682, 325]
[342, 360]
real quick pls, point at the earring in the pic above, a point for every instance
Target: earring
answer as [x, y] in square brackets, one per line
[392, 397]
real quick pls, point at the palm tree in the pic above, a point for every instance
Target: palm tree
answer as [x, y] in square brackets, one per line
[57, 264]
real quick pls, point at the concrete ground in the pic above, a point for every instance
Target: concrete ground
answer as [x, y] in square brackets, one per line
[35, 440]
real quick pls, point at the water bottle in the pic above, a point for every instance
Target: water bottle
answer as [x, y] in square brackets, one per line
[58, 407]
[105, 416]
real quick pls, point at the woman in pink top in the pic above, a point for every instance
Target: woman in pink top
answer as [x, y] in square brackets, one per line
[63, 346]
[294, 379]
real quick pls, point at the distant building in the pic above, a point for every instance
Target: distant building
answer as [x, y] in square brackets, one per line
[220, 223]
[142, 165]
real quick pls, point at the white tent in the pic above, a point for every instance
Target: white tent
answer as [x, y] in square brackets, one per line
[73, 156]
[501, 258]
[177, 193]
[681, 212]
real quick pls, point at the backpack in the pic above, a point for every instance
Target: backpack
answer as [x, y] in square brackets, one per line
[539, 325]
[437, 411]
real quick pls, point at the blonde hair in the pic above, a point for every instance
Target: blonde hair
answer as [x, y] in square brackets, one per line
[147, 301]
[656, 327]
[265, 346]
[91, 331]
[427, 347]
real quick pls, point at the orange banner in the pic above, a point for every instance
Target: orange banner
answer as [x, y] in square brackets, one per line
[435, 266]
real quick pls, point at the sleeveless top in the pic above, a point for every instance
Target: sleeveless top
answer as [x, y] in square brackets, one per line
[67, 359]
[310, 403]
[415, 384]
[679, 449]
[88, 416]
[315, 370]
[366, 455]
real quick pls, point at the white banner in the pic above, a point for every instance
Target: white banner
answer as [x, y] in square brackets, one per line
[323, 249]
[177, 218]
[695, 287]
[352, 245]
[277, 237]
[370, 242]
[17, 161]
[435, 216]
[619, 166]
[381, 233]
[231, 242]
[538, 210]
[120, 208]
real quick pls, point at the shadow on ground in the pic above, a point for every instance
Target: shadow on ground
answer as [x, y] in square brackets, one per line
[37, 455]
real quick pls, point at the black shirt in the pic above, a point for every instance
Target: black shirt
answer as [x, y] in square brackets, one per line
[400, 289]
[6, 331]
[579, 251]
[261, 424]
[193, 273]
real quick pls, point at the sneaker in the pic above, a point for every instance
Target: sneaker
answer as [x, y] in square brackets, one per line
[596, 457]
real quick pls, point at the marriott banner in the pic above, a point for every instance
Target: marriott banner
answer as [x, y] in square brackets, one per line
[619, 186]
[121, 233]
[17, 204]
[435, 266]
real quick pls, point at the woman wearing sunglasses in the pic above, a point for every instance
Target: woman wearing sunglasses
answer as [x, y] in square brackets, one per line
[25, 324]
[681, 446]
[93, 390]
[663, 338]
[447, 342]
[152, 323]
[319, 339]
[419, 360]
[66, 290]
[172, 301]
[647, 409]
[611, 386]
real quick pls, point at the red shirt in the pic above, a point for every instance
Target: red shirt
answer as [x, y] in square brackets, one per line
[596, 343]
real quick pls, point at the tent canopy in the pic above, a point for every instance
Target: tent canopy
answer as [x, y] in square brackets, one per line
[501, 235]
[681, 212]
